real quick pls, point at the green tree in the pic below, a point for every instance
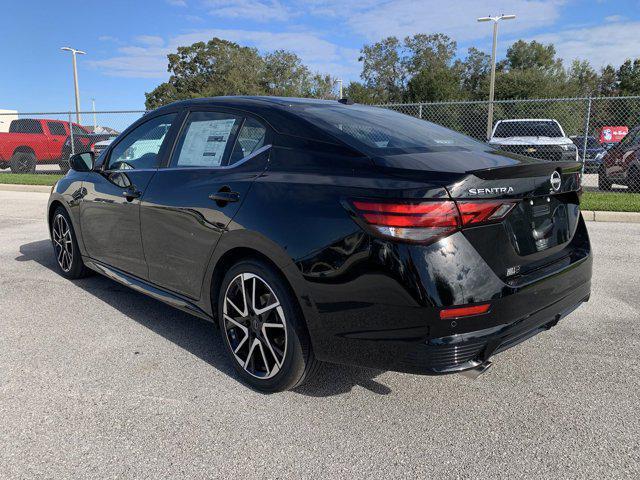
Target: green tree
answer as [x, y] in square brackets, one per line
[629, 77]
[383, 71]
[285, 75]
[582, 80]
[475, 71]
[608, 82]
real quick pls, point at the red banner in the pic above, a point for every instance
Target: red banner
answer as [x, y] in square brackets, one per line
[613, 134]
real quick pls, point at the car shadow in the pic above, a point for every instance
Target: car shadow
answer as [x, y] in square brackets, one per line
[195, 335]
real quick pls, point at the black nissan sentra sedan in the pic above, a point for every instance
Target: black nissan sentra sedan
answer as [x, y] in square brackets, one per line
[327, 231]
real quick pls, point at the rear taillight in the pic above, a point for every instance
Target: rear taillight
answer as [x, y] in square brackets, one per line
[427, 221]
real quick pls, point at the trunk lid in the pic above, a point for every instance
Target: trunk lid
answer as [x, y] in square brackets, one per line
[539, 233]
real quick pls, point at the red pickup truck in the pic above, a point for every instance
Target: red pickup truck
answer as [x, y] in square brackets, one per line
[33, 141]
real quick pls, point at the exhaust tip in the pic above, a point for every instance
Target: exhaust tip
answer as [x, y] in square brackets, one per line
[475, 372]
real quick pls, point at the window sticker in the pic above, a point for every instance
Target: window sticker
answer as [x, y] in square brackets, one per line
[205, 142]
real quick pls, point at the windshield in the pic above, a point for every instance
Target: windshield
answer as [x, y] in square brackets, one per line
[379, 131]
[528, 128]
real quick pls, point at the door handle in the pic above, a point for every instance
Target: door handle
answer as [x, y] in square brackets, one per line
[223, 197]
[131, 194]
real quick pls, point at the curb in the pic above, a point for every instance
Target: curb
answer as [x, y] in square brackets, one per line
[598, 216]
[11, 187]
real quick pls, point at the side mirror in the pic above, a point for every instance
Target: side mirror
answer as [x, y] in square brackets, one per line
[82, 162]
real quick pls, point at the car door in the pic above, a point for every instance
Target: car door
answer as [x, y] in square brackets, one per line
[57, 136]
[110, 209]
[191, 201]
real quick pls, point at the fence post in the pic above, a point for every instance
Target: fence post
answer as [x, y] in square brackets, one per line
[420, 111]
[586, 133]
[71, 135]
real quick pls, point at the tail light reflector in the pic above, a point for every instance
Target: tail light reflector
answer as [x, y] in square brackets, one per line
[457, 312]
[427, 221]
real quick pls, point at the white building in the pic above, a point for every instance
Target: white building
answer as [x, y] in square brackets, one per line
[6, 117]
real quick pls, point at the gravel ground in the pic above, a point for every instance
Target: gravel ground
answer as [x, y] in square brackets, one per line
[98, 381]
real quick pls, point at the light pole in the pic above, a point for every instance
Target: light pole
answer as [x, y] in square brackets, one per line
[75, 52]
[339, 80]
[492, 82]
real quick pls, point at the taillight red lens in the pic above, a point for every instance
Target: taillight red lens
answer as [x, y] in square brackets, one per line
[482, 212]
[468, 311]
[425, 221]
[418, 222]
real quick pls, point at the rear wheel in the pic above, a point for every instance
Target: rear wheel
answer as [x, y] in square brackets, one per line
[23, 162]
[65, 246]
[263, 329]
[603, 182]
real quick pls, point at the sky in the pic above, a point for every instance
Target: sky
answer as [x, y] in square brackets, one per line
[127, 41]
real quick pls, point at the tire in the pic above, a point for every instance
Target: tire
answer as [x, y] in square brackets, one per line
[23, 162]
[603, 182]
[264, 331]
[65, 246]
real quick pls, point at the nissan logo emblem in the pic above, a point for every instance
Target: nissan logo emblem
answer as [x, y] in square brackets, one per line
[556, 181]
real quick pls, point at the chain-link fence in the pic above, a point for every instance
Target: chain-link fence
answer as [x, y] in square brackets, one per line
[603, 133]
[43, 142]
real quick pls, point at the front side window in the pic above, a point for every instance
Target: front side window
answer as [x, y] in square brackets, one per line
[206, 139]
[140, 148]
[56, 128]
[77, 130]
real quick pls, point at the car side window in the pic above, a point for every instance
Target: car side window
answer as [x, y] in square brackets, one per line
[250, 138]
[77, 129]
[140, 148]
[56, 128]
[206, 139]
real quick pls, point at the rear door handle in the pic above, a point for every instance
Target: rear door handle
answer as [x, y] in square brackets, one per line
[225, 197]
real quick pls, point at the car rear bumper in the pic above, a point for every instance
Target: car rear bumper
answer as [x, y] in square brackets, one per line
[462, 352]
[381, 321]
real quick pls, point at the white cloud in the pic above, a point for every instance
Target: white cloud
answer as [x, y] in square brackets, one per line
[149, 61]
[257, 10]
[374, 19]
[601, 45]
[151, 40]
[177, 3]
[614, 18]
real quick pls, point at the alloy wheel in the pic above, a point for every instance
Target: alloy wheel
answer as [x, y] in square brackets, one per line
[62, 242]
[255, 325]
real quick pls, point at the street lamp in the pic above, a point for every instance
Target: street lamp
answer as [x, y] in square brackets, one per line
[339, 80]
[75, 52]
[495, 21]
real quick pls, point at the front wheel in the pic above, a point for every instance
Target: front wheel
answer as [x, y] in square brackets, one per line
[263, 329]
[65, 246]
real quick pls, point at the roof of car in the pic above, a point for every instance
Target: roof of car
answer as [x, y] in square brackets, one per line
[280, 112]
[246, 101]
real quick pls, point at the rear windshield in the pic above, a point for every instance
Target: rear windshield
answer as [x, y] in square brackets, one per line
[538, 128]
[379, 131]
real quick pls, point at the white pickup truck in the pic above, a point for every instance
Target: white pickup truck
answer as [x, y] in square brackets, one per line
[535, 137]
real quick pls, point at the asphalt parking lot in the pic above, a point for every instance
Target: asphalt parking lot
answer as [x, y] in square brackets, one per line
[98, 381]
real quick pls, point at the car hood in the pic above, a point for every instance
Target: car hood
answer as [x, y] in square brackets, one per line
[531, 141]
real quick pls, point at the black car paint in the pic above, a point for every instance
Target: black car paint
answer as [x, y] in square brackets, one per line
[366, 300]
